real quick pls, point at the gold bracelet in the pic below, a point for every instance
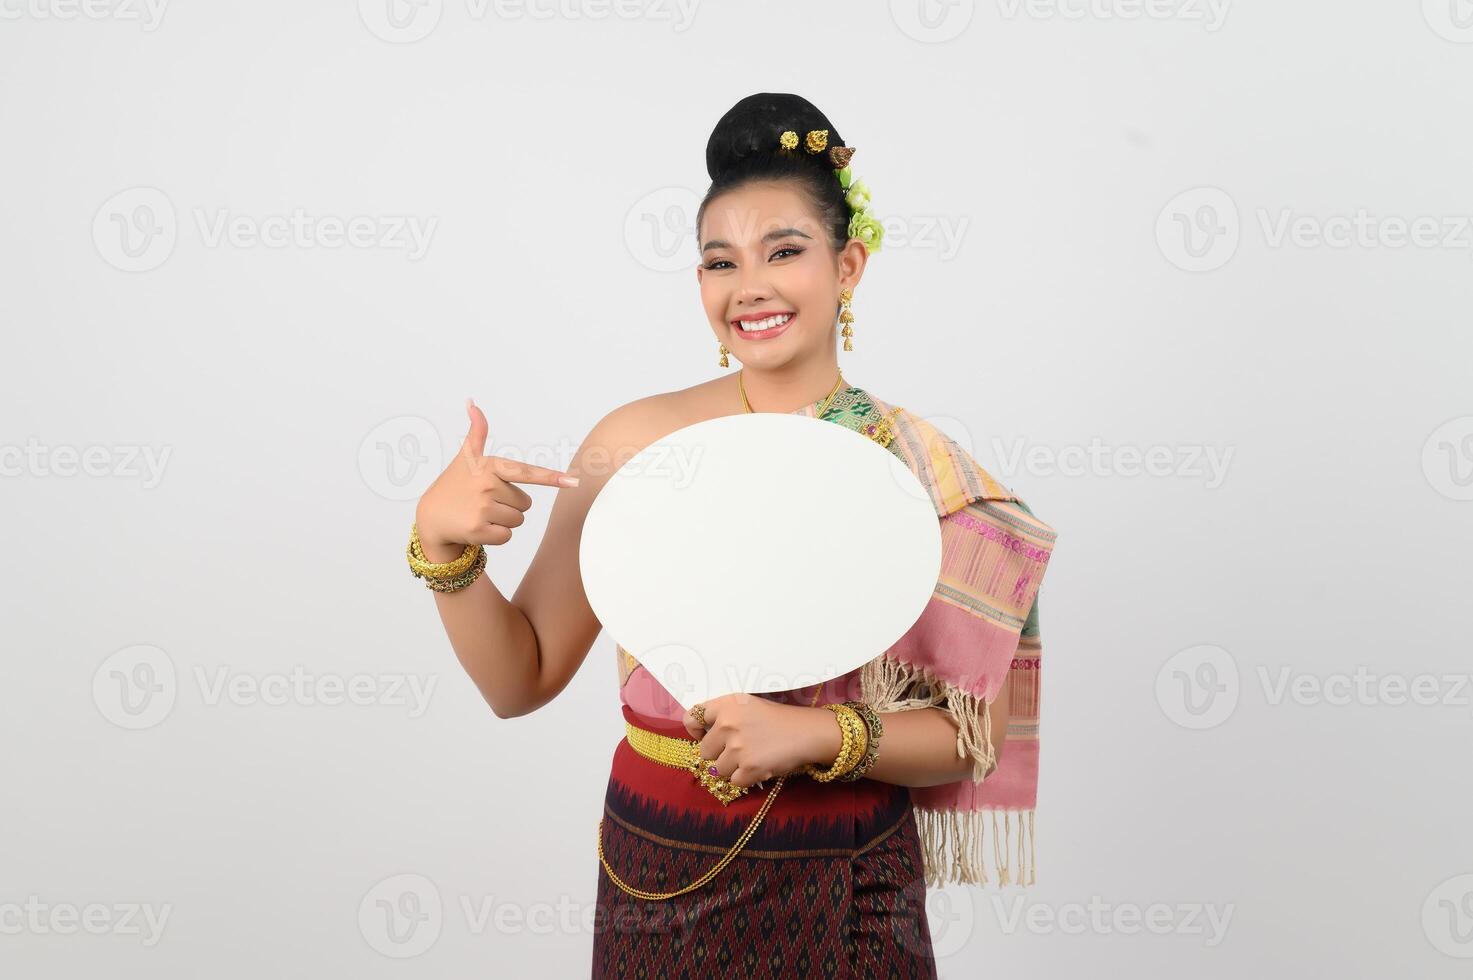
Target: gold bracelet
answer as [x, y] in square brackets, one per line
[874, 729]
[852, 746]
[845, 745]
[422, 567]
[857, 740]
[461, 581]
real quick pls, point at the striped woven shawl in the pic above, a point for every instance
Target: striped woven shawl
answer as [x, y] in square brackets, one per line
[977, 638]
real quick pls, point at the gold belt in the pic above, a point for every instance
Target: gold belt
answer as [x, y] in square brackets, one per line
[682, 753]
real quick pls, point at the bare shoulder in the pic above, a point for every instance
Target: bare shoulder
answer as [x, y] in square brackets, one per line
[631, 427]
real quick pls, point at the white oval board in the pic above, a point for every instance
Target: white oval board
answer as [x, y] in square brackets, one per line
[759, 552]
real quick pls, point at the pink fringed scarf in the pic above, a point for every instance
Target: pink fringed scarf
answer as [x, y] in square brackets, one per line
[977, 632]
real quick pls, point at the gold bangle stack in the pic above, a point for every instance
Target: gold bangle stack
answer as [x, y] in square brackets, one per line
[449, 576]
[861, 730]
[874, 729]
[852, 748]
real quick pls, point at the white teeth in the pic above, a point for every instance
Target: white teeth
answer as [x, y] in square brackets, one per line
[767, 324]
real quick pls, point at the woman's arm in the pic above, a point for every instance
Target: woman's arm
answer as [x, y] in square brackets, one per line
[521, 652]
[918, 747]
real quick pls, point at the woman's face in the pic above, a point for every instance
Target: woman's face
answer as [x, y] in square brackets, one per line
[765, 259]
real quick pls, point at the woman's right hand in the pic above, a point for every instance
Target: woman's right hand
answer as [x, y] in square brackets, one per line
[476, 500]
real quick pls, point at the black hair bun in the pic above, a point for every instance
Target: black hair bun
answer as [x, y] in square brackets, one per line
[752, 127]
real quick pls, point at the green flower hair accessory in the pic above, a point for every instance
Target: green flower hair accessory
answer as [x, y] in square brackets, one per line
[863, 225]
[867, 228]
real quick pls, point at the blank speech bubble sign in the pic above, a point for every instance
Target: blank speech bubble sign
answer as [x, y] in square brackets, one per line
[759, 552]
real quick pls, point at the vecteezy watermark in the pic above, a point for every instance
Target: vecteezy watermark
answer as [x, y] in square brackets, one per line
[932, 21]
[1447, 917]
[1199, 230]
[407, 21]
[663, 461]
[1362, 229]
[147, 13]
[1199, 687]
[1452, 20]
[1363, 687]
[40, 460]
[137, 229]
[938, 21]
[1210, 13]
[1183, 461]
[137, 687]
[404, 915]
[951, 915]
[1098, 917]
[660, 230]
[303, 689]
[408, 233]
[400, 457]
[35, 917]
[401, 916]
[1447, 458]
[685, 675]
[400, 21]
[941, 233]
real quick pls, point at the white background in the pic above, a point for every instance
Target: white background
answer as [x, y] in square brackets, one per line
[1084, 203]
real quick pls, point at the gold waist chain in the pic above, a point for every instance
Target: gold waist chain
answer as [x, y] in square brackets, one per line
[681, 753]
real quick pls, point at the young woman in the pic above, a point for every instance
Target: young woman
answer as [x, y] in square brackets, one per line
[887, 774]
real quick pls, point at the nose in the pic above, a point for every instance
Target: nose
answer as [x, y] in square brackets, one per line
[752, 288]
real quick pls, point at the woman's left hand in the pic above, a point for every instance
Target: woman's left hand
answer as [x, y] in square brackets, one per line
[753, 739]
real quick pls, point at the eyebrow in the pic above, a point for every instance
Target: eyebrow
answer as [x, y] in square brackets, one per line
[779, 233]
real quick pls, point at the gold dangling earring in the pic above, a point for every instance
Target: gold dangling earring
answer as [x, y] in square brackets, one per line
[723, 362]
[847, 318]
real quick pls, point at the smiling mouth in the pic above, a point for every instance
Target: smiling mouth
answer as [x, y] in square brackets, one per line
[766, 327]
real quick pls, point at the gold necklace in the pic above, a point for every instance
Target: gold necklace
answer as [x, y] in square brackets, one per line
[823, 406]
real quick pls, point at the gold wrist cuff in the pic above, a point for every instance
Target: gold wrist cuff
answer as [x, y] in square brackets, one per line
[874, 728]
[422, 567]
[462, 581]
[852, 747]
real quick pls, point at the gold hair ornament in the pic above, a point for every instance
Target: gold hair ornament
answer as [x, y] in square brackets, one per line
[863, 225]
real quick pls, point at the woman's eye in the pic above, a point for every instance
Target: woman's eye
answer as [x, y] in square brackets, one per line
[718, 263]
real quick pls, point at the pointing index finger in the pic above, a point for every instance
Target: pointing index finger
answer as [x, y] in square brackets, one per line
[514, 472]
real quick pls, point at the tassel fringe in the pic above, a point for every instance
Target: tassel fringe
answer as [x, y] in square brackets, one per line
[953, 842]
[888, 685]
[953, 846]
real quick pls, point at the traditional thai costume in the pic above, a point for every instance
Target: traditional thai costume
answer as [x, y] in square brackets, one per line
[833, 881]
